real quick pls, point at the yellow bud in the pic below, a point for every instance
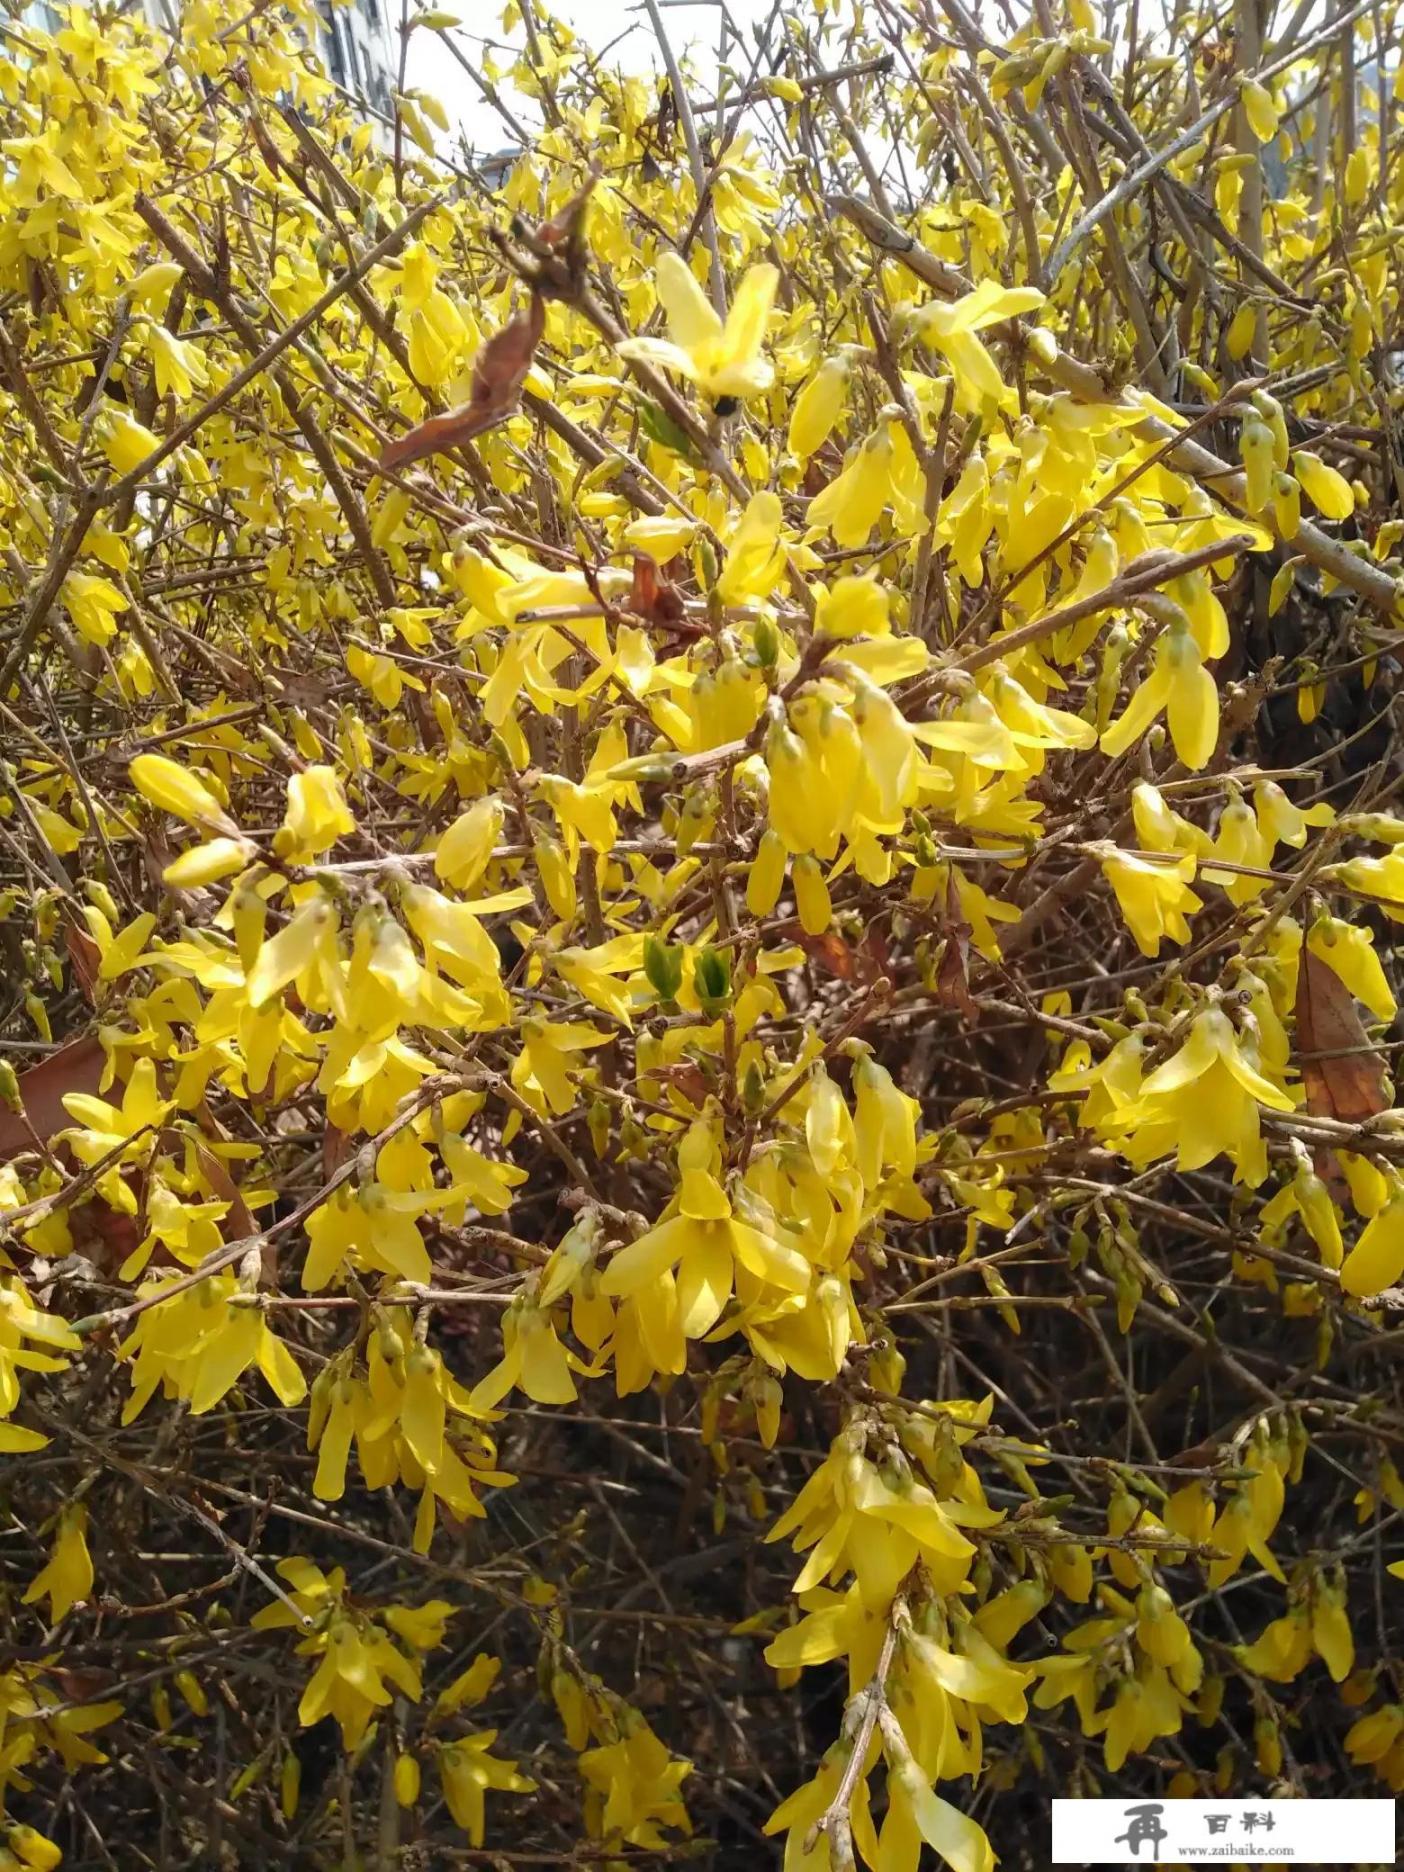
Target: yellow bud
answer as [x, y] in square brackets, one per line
[1238, 339]
[406, 1780]
[812, 896]
[1260, 110]
[1257, 449]
[1330, 493]
[289, 1784]
[176, 790]
[1286, 506]
[767, 874]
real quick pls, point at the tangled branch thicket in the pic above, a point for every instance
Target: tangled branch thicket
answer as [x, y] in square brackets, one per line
[699, 889]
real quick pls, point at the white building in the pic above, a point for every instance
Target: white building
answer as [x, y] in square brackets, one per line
[356, 44]
[355, 41]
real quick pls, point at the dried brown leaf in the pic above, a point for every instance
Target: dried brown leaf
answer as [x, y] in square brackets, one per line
[652, 597]
[830, 953]
[874, 955]
[953, 970]
[498, 377]
[76, 1067]
[84, 958]
[1343, 1074]
[336, 1148]
[567, 226]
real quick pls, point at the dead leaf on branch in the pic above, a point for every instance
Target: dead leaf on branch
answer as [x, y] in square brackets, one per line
[84, 957]
[1342, 1072]
[498, 376]
[953, 969]
[652, 597]
[76, 1067]
[566, 228]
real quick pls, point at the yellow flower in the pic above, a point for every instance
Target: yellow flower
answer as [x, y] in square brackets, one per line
[851, 505]
[851, 1517]
[802, 1811]
[94, 604]
[916, 1814]
[853, 606]
[755, 560]
[543, 1072]
[1205, 1099]
[725, 361]
[818, 407]
[1109, 1086]
[1377, 1259]
[178, 365]
[317, 814]
[467, 1771]
[1330, 493]
[68, 1577]
[20, 1319]
[634, 1786]
[1349, 949]
[175, 789]
[1307, 1196]
[1372, 1737]
[1240, 841]
[106, 1128]
[198, 1344]
[1155, 898]
[1380, 878]
[1330, 1627]
[1181, 686]
[951, 328]
[31, 1848]
[1259, 109]
[1282, 822]
[465, 849]
[706, 1244]
[533, 1358]
[125, 442]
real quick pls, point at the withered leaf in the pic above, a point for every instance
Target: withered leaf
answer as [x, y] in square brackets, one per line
[1343, 1074]
[652, 597]
[336, 1148]
[108, 1237]
[566, 227]
[238, 1223]
[953, 970]
[84, 958]
[76, 1067]
[498, 377]
[830, 953]
[689, 1080]
[874, 956]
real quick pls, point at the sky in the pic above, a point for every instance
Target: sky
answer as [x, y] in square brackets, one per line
[695, 25]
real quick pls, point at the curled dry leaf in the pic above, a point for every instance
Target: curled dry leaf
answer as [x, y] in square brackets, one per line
[652, 597]
[953, 970]
[76, 1067]
[829, 952]
[238, 1223]
[566, 228]
[1343, 1074]
[84, 957]
[498, 377]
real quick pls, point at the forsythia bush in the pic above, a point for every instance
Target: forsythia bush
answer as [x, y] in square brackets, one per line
[699, 883]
